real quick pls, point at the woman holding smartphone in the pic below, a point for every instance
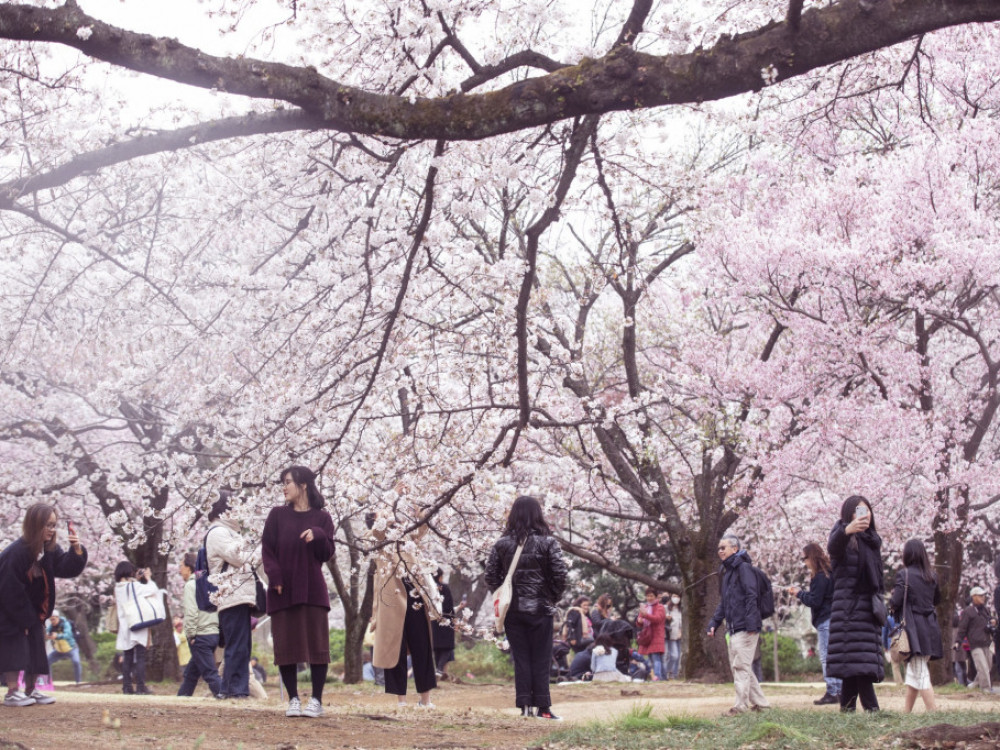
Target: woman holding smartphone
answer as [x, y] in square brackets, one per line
[855, 650]
[28, 569]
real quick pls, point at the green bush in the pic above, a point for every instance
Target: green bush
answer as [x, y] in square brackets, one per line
[791, 663]
[483, 660]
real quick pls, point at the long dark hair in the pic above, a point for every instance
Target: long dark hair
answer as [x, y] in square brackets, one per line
[815, 554]
[526, 517]
[915, 556]
[33, 528]
[302, 475]
[851, 504]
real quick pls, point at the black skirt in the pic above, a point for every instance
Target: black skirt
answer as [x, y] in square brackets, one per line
[25, 652]
[301, 635]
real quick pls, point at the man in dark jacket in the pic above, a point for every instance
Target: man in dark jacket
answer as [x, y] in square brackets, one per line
[975, 624]
[738, 607]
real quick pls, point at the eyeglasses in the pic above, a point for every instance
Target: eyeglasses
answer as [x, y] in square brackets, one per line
[51, 526]
[723, 548]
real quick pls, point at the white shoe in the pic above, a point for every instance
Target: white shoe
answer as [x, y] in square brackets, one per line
[42, 699]
[294, 707]
[428, 706]
[17, 699]
[313, 709]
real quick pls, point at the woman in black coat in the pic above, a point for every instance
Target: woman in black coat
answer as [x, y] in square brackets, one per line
[538, 583]
[28, 569]
[917, 585]
[855, 651]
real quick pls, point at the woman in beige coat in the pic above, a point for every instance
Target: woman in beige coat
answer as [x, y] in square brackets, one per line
[406, 600]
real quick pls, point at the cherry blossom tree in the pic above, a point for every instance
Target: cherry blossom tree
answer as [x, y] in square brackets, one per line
[428, 250]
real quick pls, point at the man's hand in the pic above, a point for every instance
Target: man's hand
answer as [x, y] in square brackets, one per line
[711, 632]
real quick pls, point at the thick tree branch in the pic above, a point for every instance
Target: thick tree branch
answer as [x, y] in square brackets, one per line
[155, 143]
[621, 80]
[606, 564]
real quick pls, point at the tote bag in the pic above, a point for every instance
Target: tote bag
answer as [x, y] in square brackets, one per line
[144, 611]
[899, 641]
[503, 595]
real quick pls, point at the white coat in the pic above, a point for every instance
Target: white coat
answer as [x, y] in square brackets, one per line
[225, 544]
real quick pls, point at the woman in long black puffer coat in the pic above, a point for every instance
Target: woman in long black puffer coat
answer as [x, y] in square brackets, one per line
[916, 585]
[855, 652]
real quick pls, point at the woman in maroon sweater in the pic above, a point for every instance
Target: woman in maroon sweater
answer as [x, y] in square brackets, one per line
[297, 542]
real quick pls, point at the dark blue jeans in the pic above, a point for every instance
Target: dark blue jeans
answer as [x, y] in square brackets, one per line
[202, 665]
[234, 625]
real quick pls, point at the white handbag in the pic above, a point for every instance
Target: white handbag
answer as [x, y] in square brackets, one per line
[503, 595]
[144, 611]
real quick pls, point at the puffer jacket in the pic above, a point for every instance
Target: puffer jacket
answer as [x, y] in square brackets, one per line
[738, 602]
[540, 578]
[855, 636]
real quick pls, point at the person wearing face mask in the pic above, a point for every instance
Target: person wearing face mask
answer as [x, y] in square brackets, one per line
[674, 634]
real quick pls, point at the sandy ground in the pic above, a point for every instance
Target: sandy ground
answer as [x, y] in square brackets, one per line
[360, 717]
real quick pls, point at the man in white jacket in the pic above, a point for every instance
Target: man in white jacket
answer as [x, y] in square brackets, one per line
[228, 554]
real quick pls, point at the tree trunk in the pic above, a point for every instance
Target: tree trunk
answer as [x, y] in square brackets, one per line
[705, 659]
[473, 590]
[948, 561]
[356, 618]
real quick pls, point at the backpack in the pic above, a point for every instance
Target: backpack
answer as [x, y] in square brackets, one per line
[765, 593]
[203, 588]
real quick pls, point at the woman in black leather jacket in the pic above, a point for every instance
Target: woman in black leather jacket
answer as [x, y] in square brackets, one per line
[538, 583]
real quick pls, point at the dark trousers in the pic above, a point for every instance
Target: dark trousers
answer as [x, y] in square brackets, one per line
[134, 668]
[530, 638]
[202, 665]
[858, 687]
[417, 642]
[234, 624]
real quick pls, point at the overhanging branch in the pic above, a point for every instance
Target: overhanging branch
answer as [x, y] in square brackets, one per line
[620, 81]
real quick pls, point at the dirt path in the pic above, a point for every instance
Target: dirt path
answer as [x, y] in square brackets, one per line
[360, 717]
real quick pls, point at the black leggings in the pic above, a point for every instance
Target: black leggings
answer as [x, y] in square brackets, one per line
[858, 687]
[416, 641]
[290, 679]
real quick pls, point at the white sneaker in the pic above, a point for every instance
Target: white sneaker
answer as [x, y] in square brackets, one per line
[42, 699]
[17, 699]
[294, 707]
[429, 706]
[313, 709]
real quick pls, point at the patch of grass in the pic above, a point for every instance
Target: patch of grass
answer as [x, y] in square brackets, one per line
[483, 660]
[776, 729]
[641, 719]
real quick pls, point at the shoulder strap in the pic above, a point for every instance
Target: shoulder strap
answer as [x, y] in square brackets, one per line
[513, 563]
[906, 590]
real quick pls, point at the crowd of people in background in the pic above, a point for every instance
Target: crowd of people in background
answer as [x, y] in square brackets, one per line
[412, 635]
